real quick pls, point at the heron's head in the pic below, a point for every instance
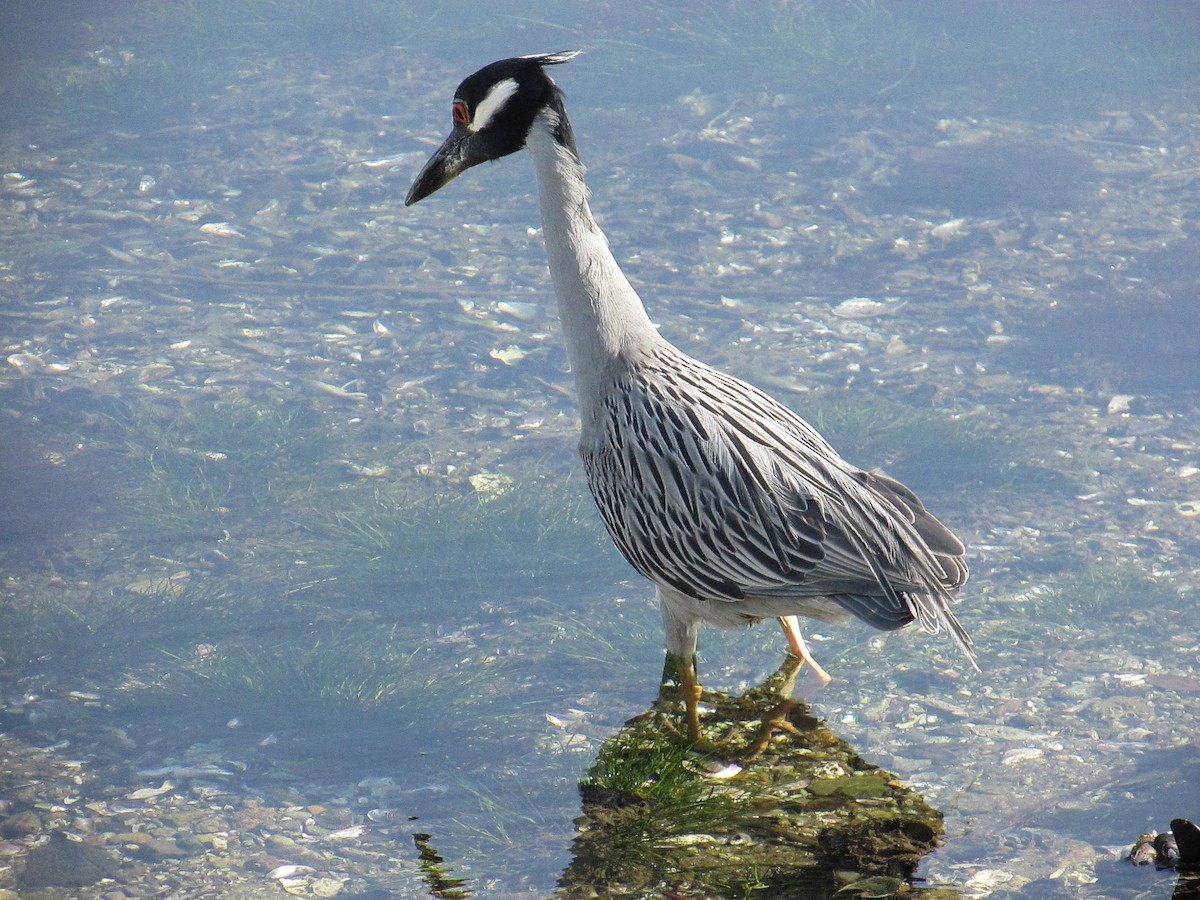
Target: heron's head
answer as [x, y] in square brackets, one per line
[493, 111]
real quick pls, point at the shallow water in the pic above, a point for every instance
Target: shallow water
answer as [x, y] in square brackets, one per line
[293, 526]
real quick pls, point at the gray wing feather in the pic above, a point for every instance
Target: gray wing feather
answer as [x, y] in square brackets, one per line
[711, 486]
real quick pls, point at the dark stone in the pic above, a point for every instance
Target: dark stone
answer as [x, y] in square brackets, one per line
[1187, 840]
[20, 824]
[61, 862]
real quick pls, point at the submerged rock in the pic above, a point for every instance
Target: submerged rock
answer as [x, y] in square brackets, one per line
[1178, 848]
[62, 862]
[804, 813]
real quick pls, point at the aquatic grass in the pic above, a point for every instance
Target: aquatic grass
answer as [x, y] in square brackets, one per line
[1095, 615]
[198, 465]
[258, 655]
[38, 629]
[617, 638]
[645, 793]
[229, 646]
[867, 50]
[651, 763]
[805, 43]
[922, 445]
[329, 674]
[154, 60]
[94, 636]
[244, 529]
[257, 651]
[505, 816]
[176, 479]
[646, 788]
[378, 545]
[500, 809]
[369, 589]
[1090, 592]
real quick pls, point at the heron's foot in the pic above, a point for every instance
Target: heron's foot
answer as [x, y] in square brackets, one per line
[681, 672]
[696, 740]
[726, 748]
[680, 681]
[791, 630]
[746, 731]
[773, 721]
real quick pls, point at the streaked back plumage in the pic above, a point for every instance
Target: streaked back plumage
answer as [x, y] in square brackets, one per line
[712, 487]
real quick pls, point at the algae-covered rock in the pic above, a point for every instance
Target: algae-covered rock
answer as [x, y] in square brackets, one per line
[776, 807]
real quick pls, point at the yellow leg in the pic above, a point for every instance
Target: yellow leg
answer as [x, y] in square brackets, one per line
[689, 689]
[679, 673]
[791, 628]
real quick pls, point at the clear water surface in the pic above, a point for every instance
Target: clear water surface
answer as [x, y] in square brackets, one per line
[297, 558]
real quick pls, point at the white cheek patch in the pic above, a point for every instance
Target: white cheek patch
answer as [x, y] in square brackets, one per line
[492, 103]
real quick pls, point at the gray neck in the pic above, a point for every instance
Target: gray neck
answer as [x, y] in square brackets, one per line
[603, 319]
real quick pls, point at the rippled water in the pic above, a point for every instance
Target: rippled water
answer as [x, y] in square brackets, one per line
[298, 562]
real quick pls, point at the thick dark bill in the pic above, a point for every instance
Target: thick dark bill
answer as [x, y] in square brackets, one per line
[457, 154]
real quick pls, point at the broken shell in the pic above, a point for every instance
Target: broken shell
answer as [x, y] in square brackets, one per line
[221, 229]
[26, 362]
[949, 230]
[1119, 403]
[326, 886]
[334, 391]
[346, 834]
[491, 483]
[147, 793]
[859, 308]
[728, 771]
[1022, 754]
[509, 355]
[522, 311]
[290, 871]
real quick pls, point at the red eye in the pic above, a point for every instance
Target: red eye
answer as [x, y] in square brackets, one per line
[459, 112]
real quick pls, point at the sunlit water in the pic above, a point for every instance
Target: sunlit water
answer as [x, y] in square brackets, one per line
[292, 518]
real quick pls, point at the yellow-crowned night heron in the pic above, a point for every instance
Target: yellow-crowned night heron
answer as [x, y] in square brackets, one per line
[733, 505]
